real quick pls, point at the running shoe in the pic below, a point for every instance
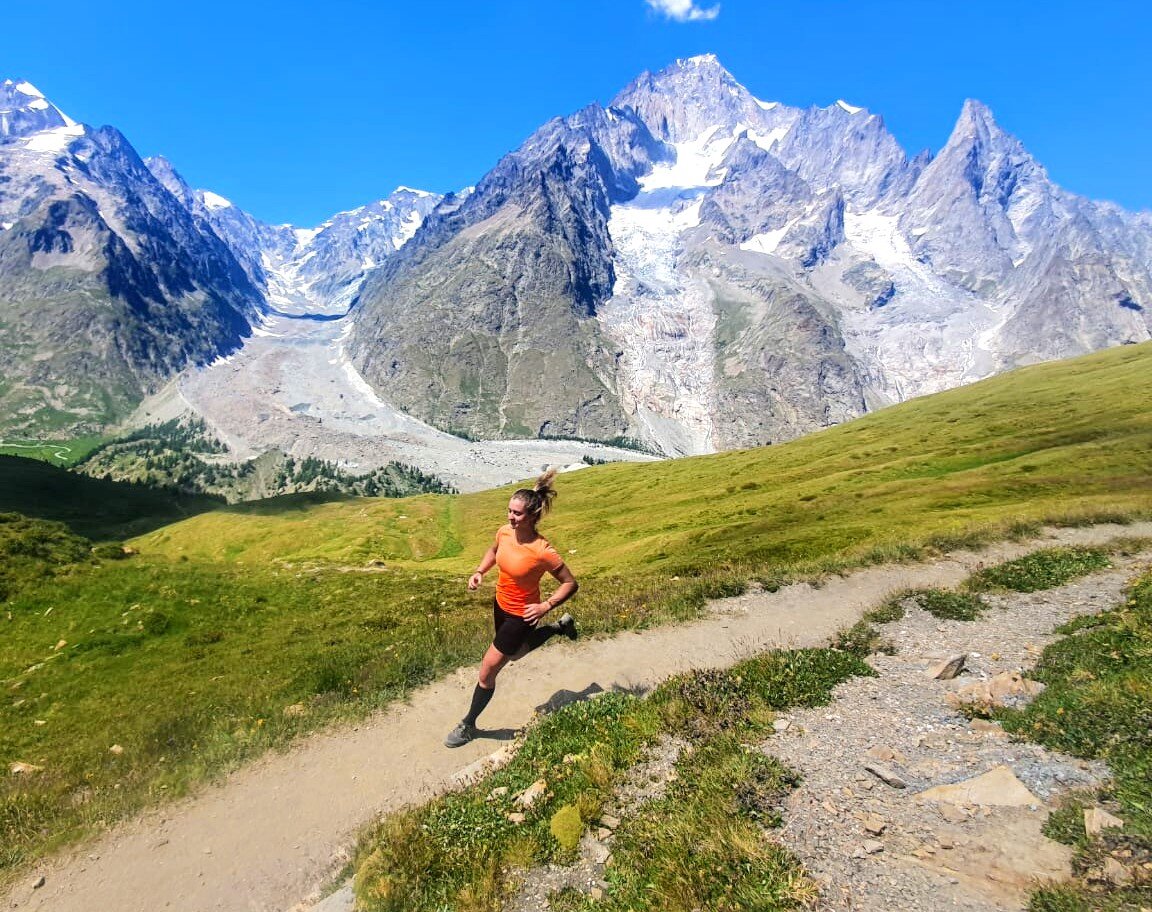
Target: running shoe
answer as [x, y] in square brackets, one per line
[567, 626]
[461, 735]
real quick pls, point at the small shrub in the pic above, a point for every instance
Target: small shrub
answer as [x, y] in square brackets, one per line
[891, 610]
[155, 623]
[110, 551]
[567, 827]
[861, 640]
[204, 638]
[1066, 823]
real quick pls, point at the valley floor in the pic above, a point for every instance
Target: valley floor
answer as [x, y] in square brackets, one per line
[273, 833]
[291, 387]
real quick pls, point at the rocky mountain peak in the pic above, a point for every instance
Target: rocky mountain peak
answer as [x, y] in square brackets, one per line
[25, 111]
[682, 101]
[982, 155]
[170, 179]
[976, 121]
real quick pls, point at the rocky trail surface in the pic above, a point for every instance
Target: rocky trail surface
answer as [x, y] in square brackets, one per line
[272, 834]
[963, 830]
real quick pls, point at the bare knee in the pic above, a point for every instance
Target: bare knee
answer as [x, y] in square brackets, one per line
[490, 667]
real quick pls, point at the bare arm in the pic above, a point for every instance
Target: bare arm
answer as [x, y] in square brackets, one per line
[487, 562]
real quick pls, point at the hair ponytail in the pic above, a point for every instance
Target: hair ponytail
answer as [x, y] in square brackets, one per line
[538, 499]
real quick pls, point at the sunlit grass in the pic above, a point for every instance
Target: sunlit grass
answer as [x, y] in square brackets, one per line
[244, 627]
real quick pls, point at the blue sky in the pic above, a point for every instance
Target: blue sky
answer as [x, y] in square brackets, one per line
[297, 110]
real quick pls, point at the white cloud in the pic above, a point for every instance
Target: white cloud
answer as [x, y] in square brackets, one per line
[684, 10]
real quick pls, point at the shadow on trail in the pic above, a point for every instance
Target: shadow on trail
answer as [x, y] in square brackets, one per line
[563, 698]
[497, 734]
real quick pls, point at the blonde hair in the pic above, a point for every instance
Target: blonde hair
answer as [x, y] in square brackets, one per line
[538, 499]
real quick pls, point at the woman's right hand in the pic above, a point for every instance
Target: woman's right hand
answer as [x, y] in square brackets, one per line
[475, 580]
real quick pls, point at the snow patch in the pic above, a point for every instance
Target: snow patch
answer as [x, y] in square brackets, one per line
[767, 105]
[54, 140]
[359, 384]
[851, 109]
[767, 140]
[694, 160]
[26, 88]
[39, 104]
[767, 241]
[932, 335]
[215, 200]
[403, 189]
[408, 228]
[304, 236]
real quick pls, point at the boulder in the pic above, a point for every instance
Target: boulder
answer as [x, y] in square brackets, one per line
[949, 668]
[998, 787]
[1096, 820]
[996, 690]
[532, 794]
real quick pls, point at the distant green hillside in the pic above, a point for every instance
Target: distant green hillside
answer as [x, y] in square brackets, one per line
[1068, 438]
[91, 507]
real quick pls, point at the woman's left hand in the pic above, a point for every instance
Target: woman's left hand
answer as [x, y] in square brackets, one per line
[533, 613]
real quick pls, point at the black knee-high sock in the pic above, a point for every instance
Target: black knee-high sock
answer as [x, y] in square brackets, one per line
[481, 697]
[540, 635]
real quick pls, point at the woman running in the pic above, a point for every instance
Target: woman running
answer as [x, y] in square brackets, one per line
[523, 556]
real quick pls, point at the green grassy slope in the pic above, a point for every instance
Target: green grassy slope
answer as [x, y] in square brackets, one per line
[92, 507]
[1071, 437]
[187, 655]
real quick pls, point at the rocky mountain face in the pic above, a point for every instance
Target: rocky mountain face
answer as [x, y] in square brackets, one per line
[108, 285]
[485, 322]
[306, 270]
[698, 269]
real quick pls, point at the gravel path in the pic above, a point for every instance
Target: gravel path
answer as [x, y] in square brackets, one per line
[272, 834]
[880, 848]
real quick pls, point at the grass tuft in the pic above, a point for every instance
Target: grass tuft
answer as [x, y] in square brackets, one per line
[667, 858]
[948, 605]
[1044, 569]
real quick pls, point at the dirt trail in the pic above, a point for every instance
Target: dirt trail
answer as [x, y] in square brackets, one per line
[269, 836]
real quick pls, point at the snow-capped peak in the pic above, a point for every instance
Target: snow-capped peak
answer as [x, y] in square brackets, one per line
[403, 189]
[25, 88]
[215, 200]
[700, 60]
[24, 111]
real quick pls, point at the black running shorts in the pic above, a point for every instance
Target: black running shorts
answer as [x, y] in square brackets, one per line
[511, 630]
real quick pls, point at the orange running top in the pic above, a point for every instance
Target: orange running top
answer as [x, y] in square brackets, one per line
[521, 569]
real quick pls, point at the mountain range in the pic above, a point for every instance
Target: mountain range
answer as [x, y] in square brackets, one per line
[688, 267]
